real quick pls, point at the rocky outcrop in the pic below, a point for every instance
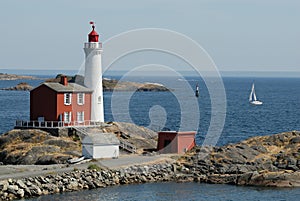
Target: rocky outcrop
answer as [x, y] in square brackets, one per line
[264, 161]
[5, 76]
[115, 85]
[35, 146]
[23, 86]
[142, 138]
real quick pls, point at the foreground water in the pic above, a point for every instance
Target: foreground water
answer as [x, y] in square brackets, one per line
[177, 191]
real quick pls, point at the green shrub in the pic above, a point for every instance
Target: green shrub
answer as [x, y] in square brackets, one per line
[94, 167]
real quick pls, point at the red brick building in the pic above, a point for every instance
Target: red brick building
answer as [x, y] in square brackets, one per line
[65, 102]
[175, 142]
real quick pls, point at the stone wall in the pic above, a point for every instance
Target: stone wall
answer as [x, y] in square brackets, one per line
[86, 179]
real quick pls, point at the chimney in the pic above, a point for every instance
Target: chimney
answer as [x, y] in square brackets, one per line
[64, 80]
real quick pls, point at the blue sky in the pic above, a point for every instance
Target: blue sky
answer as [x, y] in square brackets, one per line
[240, 35]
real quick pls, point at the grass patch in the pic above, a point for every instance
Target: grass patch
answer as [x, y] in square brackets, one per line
[94, 167]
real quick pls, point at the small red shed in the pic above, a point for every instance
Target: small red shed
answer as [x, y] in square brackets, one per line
[175, 141]
[64, 102]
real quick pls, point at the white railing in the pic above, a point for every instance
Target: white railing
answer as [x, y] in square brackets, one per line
[82, 130]
[127, 146]
[92, 45]
[55, 124]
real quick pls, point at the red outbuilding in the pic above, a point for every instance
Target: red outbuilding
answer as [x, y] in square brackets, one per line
[175, 141]
[63, 102]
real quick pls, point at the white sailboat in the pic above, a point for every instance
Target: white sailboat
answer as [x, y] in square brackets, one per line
[252, 98]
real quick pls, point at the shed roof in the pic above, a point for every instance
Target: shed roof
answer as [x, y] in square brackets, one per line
[101, 139]
[71, 87]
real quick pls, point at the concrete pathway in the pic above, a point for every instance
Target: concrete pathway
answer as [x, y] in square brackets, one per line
[20, 171]
[125, 161]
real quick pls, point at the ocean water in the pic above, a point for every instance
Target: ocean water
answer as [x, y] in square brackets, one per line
[177, 191]
[280, 111]
[164, 110]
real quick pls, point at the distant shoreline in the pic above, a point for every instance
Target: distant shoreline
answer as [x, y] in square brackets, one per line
[5, 76]
[246, 74]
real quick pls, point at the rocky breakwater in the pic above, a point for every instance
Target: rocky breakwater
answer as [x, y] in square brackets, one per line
[261, 161]
[91, 178]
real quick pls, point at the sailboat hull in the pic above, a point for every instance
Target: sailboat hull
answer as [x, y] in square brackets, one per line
[256, 102]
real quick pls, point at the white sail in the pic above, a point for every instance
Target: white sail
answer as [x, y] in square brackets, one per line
[251, 94]
[254, 95]
[252, 98]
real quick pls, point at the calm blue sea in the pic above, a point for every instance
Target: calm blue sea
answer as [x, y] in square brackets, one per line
[280, 112]
[177, 191]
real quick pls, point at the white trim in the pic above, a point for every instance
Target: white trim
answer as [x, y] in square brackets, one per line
[67, 100]
[82, 99]
[80, 116]
[67, 117]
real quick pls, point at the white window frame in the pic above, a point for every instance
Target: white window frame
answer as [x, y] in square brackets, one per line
[80, 116]
[67, 117]
[67, 101]
[80, 100]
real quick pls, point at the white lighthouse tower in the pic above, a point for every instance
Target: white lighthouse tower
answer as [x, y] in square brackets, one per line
[93, 74]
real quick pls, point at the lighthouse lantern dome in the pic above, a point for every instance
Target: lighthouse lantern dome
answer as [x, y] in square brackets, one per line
[93, 36]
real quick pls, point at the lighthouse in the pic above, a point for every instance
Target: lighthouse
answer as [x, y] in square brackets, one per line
[93, 74]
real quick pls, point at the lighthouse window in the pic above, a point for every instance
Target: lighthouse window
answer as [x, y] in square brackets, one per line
[99, 99]
[80, 116]
[67, 117]
[80, 98]
[67, 98]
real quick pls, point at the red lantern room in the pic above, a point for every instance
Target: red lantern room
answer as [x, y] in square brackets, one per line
[93, 36]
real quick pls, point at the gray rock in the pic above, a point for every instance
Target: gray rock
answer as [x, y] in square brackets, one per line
[295, 140]
[21, 184]
[73, 185]
[3, 185]
[12, 189]
[21, 193]
[259, 148]
[244, 178]
[35, 190]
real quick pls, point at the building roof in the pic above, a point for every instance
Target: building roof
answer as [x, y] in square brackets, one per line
[101, 139]
[71, 87]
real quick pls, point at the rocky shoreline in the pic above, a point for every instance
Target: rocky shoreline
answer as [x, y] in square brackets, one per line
[85, 179]
[108, 84]
[272, 161]
[269, 161]
[92, 178]
[115, 85]
[5, 76]
[22, 86]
